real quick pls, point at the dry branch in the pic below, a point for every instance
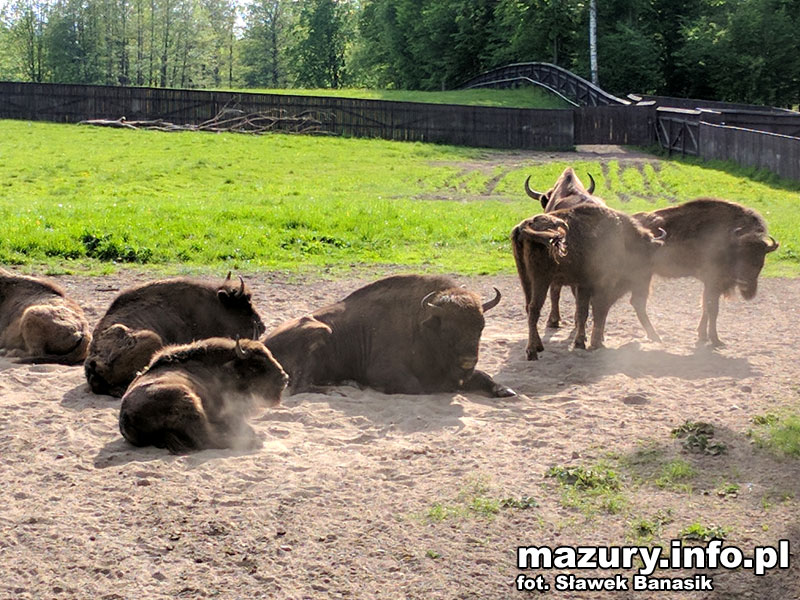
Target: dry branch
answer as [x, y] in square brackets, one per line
[234, 120]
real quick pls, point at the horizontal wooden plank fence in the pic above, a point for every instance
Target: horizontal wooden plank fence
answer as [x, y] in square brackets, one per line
[408, 121]
[749, 148]
[711, 133]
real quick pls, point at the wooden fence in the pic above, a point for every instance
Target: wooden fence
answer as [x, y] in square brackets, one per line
[409, 121]
[774, 152]
[708, 133]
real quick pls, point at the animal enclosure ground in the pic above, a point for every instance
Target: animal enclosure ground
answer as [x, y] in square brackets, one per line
[356, 494]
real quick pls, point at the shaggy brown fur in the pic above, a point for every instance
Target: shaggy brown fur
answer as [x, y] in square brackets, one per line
[38, 323]
[721, 243]
[174, 311]
[409, 334]
[198, 396]
[602, 252]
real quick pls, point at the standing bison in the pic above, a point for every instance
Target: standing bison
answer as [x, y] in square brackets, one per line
[408, 334]
[603, 253]
[721, 243]
[198, 396]
[567, 192]
[143, 319]
[39, 323]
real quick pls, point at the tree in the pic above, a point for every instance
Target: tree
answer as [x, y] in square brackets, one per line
[27, 35]
[320, 43]
[266, 42]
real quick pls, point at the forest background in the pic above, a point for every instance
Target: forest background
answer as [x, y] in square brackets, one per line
[734, 50]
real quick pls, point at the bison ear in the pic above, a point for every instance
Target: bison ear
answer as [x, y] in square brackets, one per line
[226, 296]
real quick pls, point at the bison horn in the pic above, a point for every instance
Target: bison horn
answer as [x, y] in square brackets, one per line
[532, 193]
[241, 287]
[661, 235]
[493, 302]
[228, 278]
[591, 185]
[425, 302]
[241, 353]
[773, 245]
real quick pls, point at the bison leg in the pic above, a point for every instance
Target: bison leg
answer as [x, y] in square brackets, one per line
[600, 308]
[639, 303]
[707, 331]
[540, 287]
[582, 299]
[393, 379]
[483, 382]
[554, 320]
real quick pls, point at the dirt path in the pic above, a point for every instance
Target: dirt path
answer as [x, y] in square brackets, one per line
[356, 494]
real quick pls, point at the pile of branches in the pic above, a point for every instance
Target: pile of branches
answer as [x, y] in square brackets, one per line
[234, 120]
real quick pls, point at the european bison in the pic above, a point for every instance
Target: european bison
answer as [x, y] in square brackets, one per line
[603, 253]
[721, 243]
[39, 323]
[198, 396]
[407, 334]
[143, 319]
[567, 192]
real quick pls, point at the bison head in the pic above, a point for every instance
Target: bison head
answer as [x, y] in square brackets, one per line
[451, 326]
[256, 372]
[749, 250]
[116, 355]
[236, 298]
[567, 185]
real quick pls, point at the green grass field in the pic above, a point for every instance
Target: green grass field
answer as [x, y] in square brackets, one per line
[83, 199]
[525, 97]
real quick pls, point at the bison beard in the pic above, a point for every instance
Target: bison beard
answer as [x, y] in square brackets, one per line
[408, 334]
[602, 252]
[199, 395]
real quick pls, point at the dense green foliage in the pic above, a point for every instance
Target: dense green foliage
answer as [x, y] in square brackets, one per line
[736, 50]
[75, 197]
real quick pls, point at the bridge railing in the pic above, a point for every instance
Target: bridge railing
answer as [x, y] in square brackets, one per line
[572, 88]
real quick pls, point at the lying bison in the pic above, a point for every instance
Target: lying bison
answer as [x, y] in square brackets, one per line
[408, 334]
[39, 323]
[198, 396]
[721, 243]
[567, 192]
[603, 253]
[143, 319]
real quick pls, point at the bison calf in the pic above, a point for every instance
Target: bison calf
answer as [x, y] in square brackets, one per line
[408, 334]
[198, 396]
[603, 253]
[143, 319]
[723, 244]
[39, 323]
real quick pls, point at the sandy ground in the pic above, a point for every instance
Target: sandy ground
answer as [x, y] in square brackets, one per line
[341, 500]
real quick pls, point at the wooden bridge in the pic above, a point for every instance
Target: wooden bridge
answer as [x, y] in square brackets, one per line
[572, 88]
